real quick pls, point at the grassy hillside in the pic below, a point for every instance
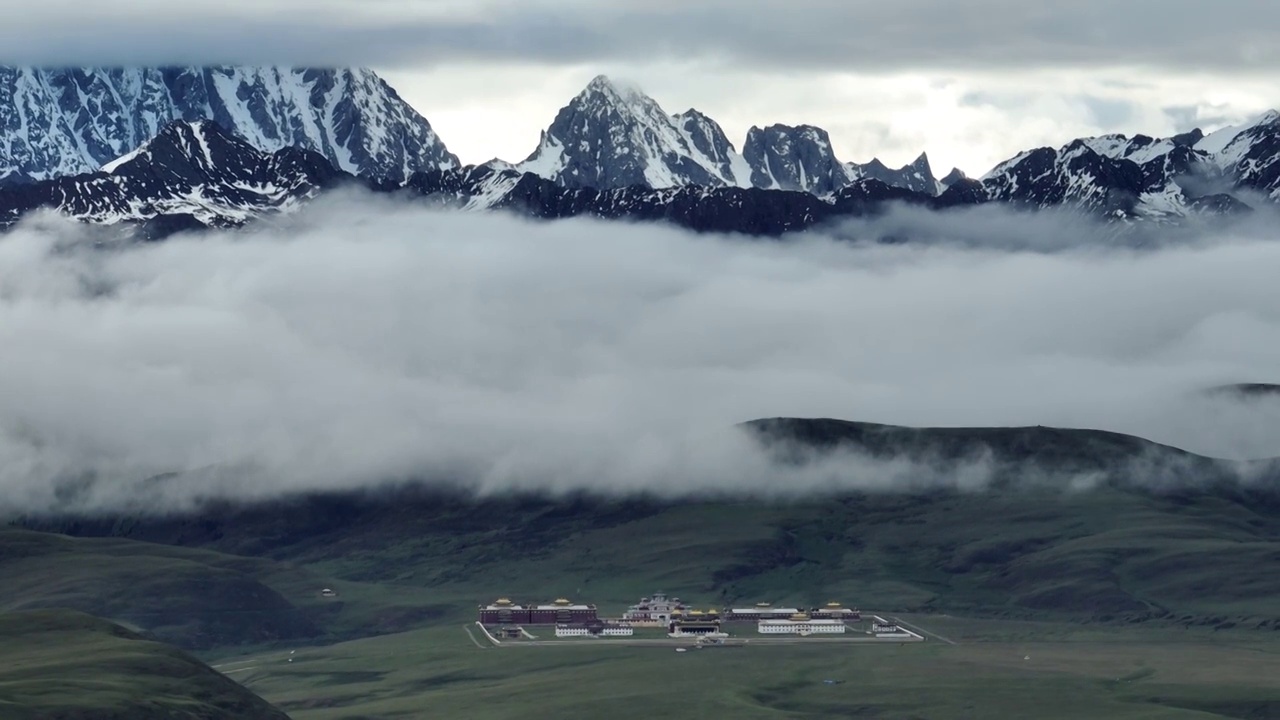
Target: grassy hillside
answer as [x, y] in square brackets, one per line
[61, 665]
[1148, 593]
[194, 598]
[1164, 536]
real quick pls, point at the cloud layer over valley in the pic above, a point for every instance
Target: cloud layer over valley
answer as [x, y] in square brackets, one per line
[364, 341]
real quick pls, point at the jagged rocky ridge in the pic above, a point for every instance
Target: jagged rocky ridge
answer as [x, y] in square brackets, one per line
[1142, 176]
[56, 122]
[192, 175]
[197, 174]
[611, 153]
[612, 135]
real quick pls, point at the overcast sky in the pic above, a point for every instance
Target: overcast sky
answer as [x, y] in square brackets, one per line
[970, 82]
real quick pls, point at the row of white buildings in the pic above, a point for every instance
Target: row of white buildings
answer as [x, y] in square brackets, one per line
[800, 626]
[594, 629]
[659, 609]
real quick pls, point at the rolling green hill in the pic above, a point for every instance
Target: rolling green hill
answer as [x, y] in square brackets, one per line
[194, 598]
[1165, 536]
[62, 665]
[1106, 596]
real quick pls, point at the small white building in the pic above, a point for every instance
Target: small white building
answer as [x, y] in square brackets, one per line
[762, 611]
[582, 630]
[800, 627]
[886, 627]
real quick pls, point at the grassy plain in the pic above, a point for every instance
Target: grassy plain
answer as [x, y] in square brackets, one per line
[997, 670]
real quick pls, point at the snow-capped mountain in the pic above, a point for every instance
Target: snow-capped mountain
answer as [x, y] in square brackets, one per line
[64, 121]
[1144, 176]
[916, 175]
[783, 157]
[194, 170]
[612, 153]
[1076, 174]
[612, 135]
[1250, 153]
[197, 175]
[800, 158]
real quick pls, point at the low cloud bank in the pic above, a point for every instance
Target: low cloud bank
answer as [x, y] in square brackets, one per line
[365, 341]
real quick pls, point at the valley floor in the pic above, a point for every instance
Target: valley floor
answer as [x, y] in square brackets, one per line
[968, 668]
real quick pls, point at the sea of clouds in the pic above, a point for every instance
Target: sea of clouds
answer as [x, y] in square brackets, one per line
[364, 341]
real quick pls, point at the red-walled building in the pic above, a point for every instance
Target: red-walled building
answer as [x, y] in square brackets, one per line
[561, 612]
[504, 612]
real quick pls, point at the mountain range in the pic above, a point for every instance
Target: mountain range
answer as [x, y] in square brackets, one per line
[180, 148]
[612, 135]
[66, 121]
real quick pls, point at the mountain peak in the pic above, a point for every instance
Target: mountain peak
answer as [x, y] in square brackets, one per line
[197, 144]
[798, 157]
[91, 116]
[173, 134]
[612, 135]
[203, 152]
[196, 170]
[916, 175]
[625, 91]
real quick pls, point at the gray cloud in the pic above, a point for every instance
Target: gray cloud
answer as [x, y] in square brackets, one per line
[363, 341]
[1235, 35]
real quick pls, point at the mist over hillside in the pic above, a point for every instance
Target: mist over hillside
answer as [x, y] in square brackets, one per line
[365, 341]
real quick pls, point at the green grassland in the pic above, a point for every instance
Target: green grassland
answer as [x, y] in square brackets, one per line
[62, 665]
[1163, 536]
[1047, 671]
[1111, 555]
[1152, 596]
[197, 599]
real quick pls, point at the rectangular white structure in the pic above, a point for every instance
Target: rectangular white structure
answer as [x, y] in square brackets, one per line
[800, 627]
[564, 631]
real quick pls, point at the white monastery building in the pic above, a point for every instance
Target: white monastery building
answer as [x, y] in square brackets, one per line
[800, 625]
[585, 630]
